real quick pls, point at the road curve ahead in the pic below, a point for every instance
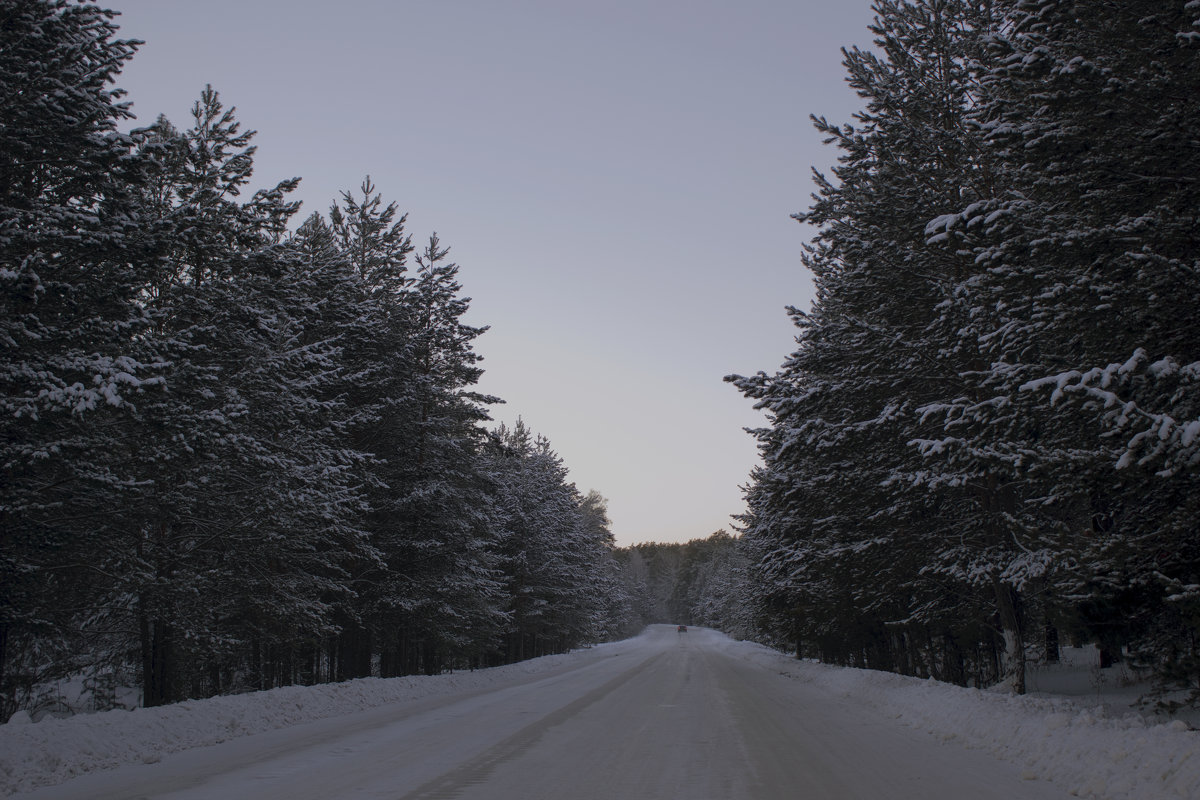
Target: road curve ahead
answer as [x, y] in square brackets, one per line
[666, 715]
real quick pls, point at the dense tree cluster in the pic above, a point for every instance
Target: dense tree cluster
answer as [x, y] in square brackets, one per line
[237, 455]
[988, 435]
[701, 582]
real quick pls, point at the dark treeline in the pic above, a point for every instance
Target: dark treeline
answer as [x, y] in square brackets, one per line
[236, 453]
[701, 582]
[987, 438]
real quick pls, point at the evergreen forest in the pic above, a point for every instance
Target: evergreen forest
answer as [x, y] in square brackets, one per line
[241, 450]
[986, 440]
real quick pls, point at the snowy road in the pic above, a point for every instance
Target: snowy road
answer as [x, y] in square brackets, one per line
[666, 715]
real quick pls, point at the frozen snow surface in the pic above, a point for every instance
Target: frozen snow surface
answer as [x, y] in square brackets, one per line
[1083, 750]
[1068, 741]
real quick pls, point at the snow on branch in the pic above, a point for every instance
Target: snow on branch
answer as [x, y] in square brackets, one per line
[1169, 439]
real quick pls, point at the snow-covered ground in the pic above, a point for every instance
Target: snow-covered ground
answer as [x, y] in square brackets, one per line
[1117, 690]
[1073, 744]
[55, 750]
[1092, 744]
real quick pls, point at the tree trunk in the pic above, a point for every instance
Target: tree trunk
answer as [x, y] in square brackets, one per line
[954, 666]
[1013, 657]
[1109, 655]
[7, 697]
[156, 660]
[1052, 652]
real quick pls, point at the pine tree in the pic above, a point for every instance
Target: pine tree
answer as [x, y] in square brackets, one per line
[71, 367]
[373, 241]
[250, 500]
[449, 587]
[878, 508]
[549, 556]
[615, 616]
[1091, 251]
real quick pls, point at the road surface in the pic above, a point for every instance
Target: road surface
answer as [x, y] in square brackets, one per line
[667, 715]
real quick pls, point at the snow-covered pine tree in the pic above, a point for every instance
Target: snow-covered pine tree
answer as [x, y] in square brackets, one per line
[723, 602]
[866, 535]
[448, 594]
[1092, 251]
[616, 617]
[702, 582]
[344, 310]
[71, 318]
[548, 557]
[373, 239]
[249, 504]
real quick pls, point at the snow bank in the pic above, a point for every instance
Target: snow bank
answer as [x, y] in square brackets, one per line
[1080, 748]
[54, 750]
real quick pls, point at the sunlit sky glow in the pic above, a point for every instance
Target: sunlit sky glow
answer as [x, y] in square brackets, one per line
[614, 178]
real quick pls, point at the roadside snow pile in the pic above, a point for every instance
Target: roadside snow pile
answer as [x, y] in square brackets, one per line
[1082, 749]
[54, 750]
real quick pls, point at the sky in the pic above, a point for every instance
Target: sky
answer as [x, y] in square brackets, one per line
[615, 180]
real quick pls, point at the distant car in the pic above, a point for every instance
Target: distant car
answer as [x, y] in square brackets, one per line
[682, 628]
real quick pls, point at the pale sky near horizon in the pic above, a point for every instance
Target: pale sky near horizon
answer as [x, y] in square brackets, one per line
[614, 179]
